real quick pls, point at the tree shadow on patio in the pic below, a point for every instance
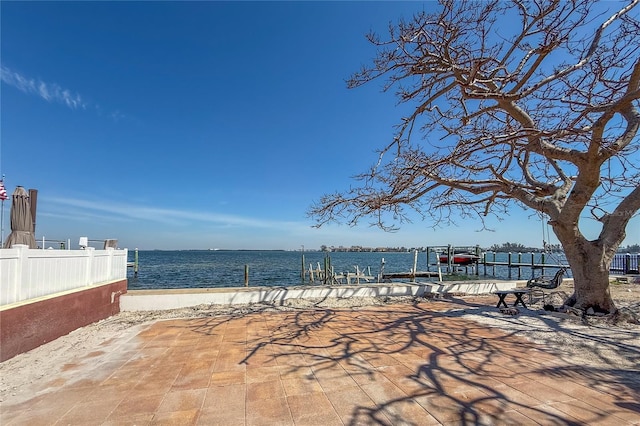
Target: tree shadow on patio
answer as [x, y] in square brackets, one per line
[426, 360]
[429, 363]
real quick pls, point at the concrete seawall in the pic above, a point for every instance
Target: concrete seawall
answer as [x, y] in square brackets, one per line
[147, 300]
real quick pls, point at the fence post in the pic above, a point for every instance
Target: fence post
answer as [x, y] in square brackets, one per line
[20, 290]
[89, 273]
[110, 252]
[125, 262]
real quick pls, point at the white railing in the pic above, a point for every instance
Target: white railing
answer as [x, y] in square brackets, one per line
[29, 273]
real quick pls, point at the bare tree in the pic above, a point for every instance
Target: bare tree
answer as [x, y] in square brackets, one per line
[533, 103]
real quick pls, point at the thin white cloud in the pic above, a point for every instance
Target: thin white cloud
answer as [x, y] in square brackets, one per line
[80, 216]
[50, 92]
[170, 216]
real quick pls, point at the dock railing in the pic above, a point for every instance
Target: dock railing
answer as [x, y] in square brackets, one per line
[625, 263]
[517, 261]
[30, 273]
[514, 263]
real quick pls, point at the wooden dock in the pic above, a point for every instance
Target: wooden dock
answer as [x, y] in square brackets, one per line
[516, 265]
[400, 275]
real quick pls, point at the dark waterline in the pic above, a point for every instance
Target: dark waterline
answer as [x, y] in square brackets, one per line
[225, 268]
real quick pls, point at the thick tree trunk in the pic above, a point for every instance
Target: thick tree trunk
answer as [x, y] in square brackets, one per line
[589, 263]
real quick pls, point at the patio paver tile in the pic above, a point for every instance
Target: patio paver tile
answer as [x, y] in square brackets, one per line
[174, 418]
[230, 416]
[182, 400]
[300, 386]
[312, 409]
[265, 390]
[138, 419]
[138, 404]
[272, 411]
[219, 398]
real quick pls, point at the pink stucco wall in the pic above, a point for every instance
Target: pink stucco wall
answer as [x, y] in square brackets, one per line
[28, 326]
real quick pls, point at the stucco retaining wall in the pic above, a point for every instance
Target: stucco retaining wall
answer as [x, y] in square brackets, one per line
[29, 324]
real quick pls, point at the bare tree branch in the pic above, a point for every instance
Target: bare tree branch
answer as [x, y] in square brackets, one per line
[544, 114]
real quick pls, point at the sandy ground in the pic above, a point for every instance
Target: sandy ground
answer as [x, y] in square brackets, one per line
[598, 341]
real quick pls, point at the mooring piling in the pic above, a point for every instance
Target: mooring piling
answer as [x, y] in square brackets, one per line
[134, 264]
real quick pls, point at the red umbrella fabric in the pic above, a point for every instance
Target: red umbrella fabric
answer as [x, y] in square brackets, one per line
[21, 221]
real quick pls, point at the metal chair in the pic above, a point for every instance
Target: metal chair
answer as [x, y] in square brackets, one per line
[539, 284]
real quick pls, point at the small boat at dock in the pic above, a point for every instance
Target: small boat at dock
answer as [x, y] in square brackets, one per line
[459, 258]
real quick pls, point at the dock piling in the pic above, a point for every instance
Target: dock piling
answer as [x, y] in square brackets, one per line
[134, 264]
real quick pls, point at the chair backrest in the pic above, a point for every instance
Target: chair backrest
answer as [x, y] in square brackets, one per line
[557, 278]
[548, 283]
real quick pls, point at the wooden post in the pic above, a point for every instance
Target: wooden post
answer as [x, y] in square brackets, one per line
[509, 264]
[484, 262]
[135, 263]
[493, 269]
[415, 263]
[519, 263]
[302, 272]
[246, 275]
[326, 269]
[428, 264]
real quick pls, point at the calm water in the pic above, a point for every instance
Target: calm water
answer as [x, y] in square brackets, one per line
[208, 268]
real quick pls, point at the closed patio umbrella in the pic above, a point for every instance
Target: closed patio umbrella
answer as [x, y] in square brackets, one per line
[21, 220]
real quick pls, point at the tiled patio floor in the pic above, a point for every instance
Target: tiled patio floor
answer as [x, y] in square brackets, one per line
[392, 365]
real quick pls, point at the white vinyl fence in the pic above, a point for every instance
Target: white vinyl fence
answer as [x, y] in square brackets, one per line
[29, 273]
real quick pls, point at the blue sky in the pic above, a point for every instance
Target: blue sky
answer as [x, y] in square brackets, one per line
[203, 125]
